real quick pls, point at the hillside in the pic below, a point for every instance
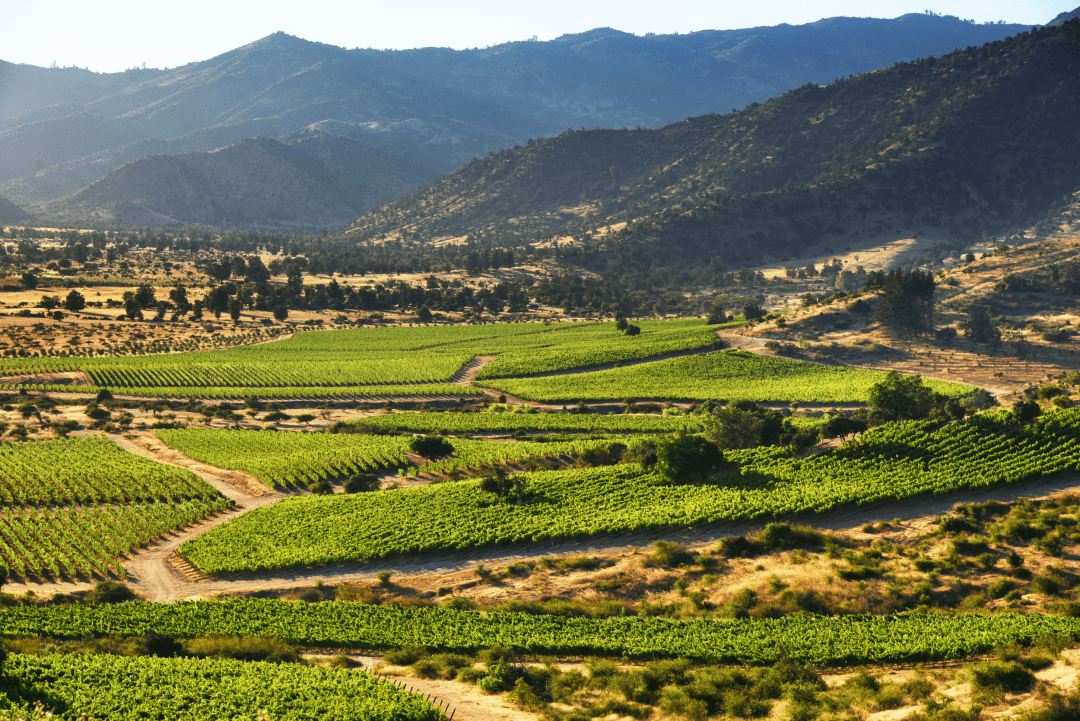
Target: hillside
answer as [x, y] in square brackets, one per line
[979, 140]
[60, 130]
[1066, 17]
[11, 214]
[306, 180]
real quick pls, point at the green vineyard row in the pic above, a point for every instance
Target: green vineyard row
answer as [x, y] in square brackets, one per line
[893, 462]
[727, 375]
[285, 460]
[89, 470]
[121, 688]
[373, 361]
[84, 543]
[422, 422]
[826, 640]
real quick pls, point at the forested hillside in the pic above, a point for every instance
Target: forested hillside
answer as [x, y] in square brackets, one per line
[981, 139]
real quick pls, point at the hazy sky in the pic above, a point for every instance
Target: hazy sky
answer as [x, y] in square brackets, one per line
[111, 35]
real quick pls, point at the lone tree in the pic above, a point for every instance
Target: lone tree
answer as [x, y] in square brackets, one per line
[906, 306]
[686, 458]
[841, 426]
[978, 328]
[431, 446]
[902, 397]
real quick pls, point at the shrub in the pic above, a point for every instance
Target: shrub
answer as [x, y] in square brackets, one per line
[1047, 585]
[1001, 676]
[321, 487]
[362, 483]
[111, 592]
[406, 656]
[384, 577]
[667, 554]
[243, 648]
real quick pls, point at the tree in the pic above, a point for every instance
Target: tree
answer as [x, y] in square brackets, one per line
[48, 302]
[902, 397]
[717, 315]
[841, 426]
[29, 280]
[178, 296]
[980, 329]
[196, 310]
[504, 485]
[132, 309]
[906, 305]
[687, 458]
[752, 311]
[424, 314]
[1026, 411]
[235, 306]
[632, 330]
[732, 428]
[945, 336]
[281, 312]
[431, 446]
[145, 296]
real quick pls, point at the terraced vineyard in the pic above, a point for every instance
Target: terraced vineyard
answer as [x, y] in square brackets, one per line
[122, 688]
[287, 460]
[841, 640]
[728, 375]
[70, 508]
[489, 422]
[896, 461]
[370, 361]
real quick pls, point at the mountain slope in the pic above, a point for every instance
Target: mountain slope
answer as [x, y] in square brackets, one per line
[1066, 17]
[978, 139]
[62, 129]
[11, 214]
[311, 180]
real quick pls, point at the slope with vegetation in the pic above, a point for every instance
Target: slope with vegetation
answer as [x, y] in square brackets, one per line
[975, 140]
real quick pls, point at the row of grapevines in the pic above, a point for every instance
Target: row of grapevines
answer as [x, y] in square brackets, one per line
[122, 688]
[235, 392]
[486, 422]
[284, 460]
[89, 469]
[710, 376]
[837, 640]
[87, 542]
[897, 461]
[593, 345]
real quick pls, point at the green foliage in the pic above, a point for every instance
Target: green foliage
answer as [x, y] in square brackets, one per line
[481, 422]
[127, 688]
[708, 376]
[684, 458]
[830, 640]
[902, 397]
[894, 461]
[431, 446]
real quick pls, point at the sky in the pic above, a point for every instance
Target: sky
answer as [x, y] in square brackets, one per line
[113, 35]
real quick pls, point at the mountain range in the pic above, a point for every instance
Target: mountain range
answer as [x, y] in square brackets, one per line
[979, 140]
[409, 116]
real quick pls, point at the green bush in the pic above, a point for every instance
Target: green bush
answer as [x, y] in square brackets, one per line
[1001, 676]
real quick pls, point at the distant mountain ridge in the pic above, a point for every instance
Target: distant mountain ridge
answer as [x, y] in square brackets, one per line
[979, 140]
[1066, 17]
[60, 130]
